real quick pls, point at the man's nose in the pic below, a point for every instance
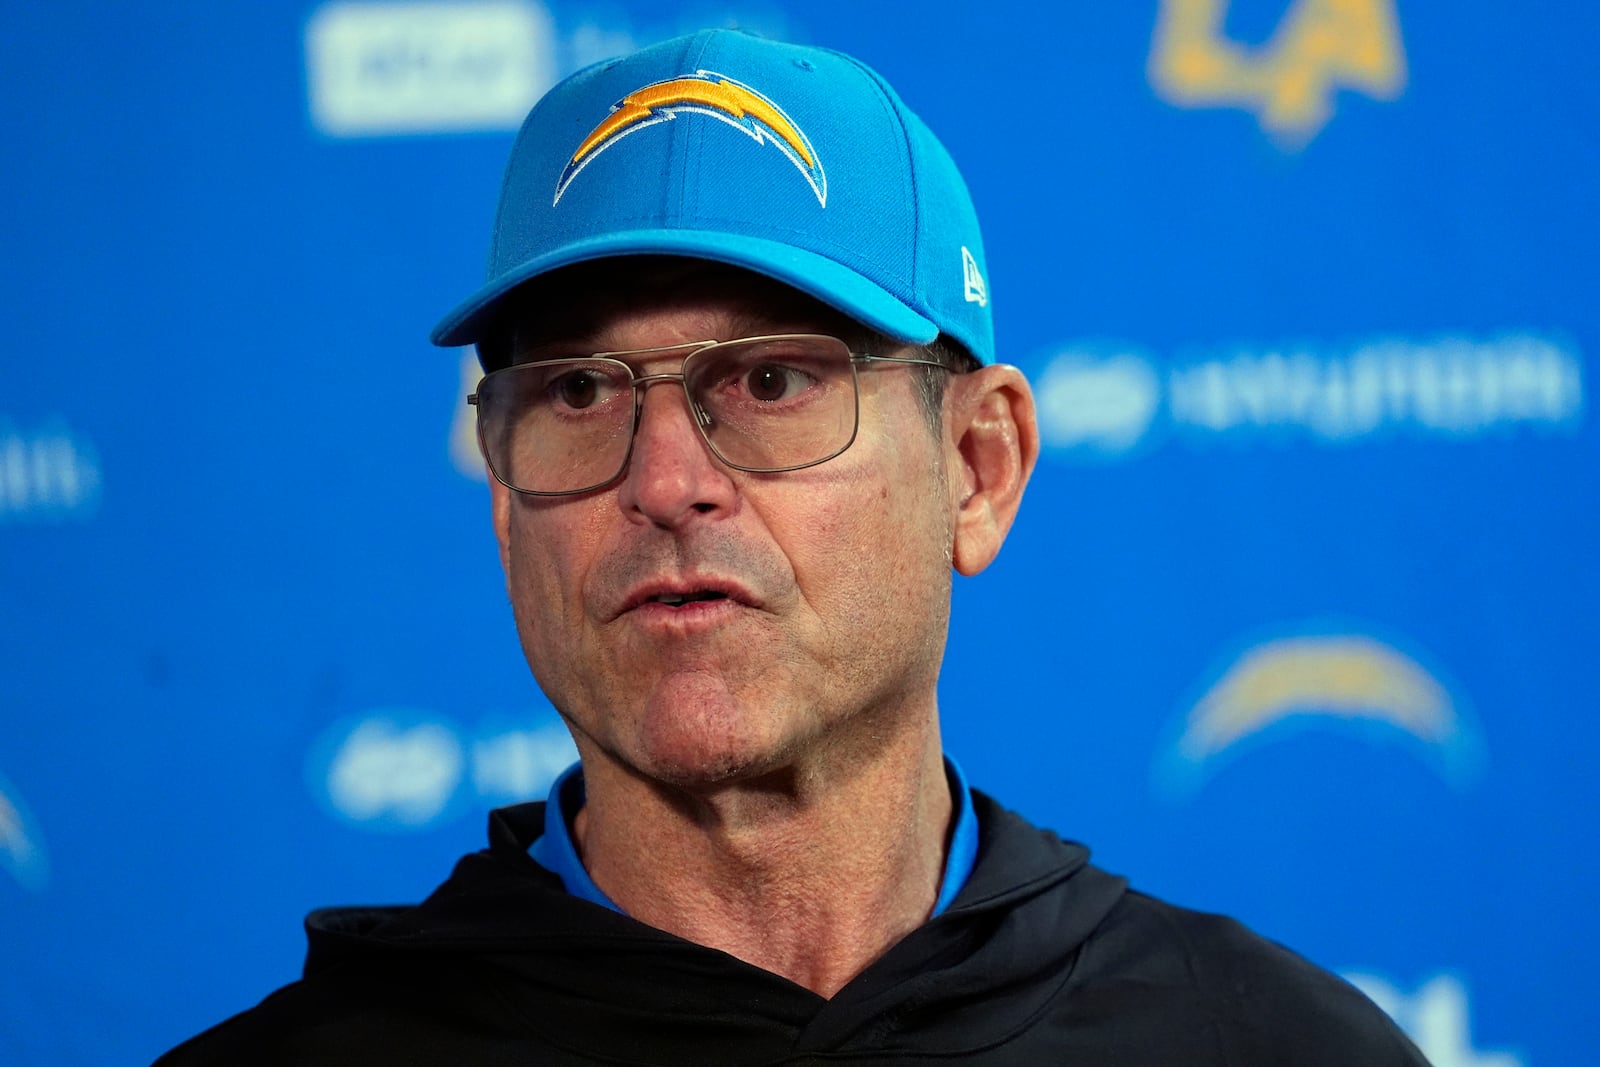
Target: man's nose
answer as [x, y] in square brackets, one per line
[672, 475]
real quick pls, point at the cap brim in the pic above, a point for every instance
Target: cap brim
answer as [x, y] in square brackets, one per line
[830, 282]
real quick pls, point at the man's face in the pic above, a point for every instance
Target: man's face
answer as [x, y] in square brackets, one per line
[831, 584]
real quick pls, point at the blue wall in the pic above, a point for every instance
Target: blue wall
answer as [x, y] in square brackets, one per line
[1299, 622]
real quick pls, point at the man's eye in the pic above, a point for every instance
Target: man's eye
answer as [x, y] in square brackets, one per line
[774, 381]
[576, 389]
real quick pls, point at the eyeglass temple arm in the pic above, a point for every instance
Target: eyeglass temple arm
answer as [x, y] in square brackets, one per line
[865, 357]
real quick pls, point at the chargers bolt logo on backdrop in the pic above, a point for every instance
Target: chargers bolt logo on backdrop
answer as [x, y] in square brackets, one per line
[1331, 679]
[703, 93]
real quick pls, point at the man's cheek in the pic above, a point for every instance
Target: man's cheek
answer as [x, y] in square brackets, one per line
[541, 560]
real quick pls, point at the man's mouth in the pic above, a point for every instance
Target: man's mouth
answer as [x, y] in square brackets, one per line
[696, 594]
[673, 600]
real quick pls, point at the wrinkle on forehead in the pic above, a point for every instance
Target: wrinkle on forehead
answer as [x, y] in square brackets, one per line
[583, 308]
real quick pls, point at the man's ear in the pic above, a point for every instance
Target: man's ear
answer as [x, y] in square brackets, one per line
[994, 435]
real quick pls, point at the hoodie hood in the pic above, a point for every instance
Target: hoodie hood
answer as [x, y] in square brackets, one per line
[585, 976]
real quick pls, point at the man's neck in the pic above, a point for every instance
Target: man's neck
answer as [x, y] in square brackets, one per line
[812, 873]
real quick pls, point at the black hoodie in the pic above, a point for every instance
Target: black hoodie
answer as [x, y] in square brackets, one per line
[1041, 959]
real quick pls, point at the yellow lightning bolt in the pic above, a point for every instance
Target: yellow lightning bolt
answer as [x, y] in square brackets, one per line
[723, 95]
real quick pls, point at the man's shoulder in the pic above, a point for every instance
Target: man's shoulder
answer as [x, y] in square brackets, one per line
[398, 983]
[1138, 980]
[364, 1005]
[1256, 1000]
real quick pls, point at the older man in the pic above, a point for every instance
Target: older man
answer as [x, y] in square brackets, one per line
[743, 420]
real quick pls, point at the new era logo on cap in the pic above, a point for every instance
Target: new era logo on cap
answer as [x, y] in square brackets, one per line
[972, 279]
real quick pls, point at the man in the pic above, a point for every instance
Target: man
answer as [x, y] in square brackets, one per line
[743, 419]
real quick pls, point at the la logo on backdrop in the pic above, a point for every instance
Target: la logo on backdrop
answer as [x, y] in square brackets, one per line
[1318, 47]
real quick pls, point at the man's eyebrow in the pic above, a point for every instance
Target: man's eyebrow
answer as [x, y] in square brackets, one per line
[551, 348]
[528, 345]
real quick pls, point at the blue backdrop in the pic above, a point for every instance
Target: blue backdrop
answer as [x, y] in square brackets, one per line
[1299, 621]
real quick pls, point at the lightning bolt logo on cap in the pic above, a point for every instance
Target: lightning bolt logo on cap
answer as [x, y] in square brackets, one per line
[703, 93]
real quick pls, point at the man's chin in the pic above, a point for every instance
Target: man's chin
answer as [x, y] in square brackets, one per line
[712, 773]
[699, 737]
[685, 759]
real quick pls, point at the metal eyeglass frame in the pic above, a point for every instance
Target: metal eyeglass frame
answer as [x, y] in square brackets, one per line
[639, 382]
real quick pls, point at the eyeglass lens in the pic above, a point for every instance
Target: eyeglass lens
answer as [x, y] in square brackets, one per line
[765, 404]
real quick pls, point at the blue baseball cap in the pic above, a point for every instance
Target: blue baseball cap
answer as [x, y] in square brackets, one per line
[798, 163]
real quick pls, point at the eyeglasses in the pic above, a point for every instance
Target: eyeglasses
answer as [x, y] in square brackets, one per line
[762, 404]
